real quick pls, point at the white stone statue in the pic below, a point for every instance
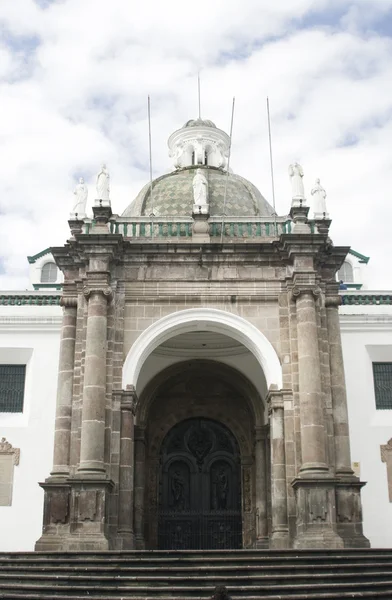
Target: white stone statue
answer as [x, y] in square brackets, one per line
[296, 174]
[319, 204]
[81, 193]
[103, 185]
[200, 189]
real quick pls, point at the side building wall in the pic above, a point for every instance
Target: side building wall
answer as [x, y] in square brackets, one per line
[367, 338]
[29, 335]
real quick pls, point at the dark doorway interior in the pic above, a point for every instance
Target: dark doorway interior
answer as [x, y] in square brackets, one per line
[200, 487]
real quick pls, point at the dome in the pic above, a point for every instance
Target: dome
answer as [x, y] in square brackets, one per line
[173, 195]
[199, 123]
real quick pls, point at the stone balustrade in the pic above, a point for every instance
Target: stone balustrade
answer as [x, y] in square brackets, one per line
[173, 228]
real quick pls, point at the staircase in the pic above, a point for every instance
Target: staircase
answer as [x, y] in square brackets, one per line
[190, 574]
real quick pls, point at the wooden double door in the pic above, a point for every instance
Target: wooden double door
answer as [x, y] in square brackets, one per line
[199, 487]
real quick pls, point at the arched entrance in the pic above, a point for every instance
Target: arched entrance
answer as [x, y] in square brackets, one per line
[212, 395]
[199, 487]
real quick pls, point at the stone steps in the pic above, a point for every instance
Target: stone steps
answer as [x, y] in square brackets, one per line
[193, 575]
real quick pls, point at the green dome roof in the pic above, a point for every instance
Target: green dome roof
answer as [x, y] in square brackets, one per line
[173, 195]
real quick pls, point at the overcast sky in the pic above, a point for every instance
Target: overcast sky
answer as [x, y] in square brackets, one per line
[74, 80]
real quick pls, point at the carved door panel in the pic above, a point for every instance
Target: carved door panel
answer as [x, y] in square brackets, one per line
[200, 491]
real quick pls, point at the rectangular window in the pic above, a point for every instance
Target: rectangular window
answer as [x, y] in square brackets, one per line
[12, 383]
[382, 375]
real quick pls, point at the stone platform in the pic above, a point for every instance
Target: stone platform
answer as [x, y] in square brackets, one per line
[187, 574]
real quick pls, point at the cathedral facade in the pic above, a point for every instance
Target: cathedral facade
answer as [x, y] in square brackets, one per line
[201, 395]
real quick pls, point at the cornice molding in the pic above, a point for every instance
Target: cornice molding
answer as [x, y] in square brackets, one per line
[25, 322]
[365, 322]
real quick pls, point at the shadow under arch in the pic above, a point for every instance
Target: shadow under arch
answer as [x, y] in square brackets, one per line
[203, 319]
[234, 378]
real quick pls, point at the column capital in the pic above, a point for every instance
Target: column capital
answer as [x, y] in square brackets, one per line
[106, 291]
[129, 399]
[333, 301]
[69, 301]
[275, 400]
[305, 288]
[261, 433]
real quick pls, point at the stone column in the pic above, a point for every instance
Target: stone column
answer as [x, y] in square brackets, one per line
[62, 434]
[311, 408]
[348, 488]
[126, 476]
[315, 486]
[56, 522]
[261, 488]
[94, 390]
[140, 466]
[338, 388]
[280, 528]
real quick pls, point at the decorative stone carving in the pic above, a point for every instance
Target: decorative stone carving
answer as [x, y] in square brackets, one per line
[247, 490]
[59, 506]
[297, 290]
[80, 201]
[9, 457]
[105, 291]
[87, 504]
[7, 448]
[346, 507]
[200, 192]
[103, 185]
[386, 457]
[333, 301]
[69, 301]
[319, 205]
[297, 186]
[317, 505]
[199, 443]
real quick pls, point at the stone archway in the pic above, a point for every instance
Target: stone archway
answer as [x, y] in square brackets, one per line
[205, 319]
[197, 389]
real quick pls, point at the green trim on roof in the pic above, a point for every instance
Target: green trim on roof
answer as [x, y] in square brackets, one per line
[16, 300]
[366, 299]
[48, 286]
[353, 286]
[32, 259]
[362, 258]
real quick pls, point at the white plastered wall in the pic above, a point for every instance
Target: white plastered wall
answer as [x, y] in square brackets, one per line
[366, 340]
[29, 335]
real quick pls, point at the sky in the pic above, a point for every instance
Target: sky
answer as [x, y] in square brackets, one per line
[74, 81]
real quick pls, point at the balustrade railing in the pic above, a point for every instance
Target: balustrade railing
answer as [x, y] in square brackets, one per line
[180, 229]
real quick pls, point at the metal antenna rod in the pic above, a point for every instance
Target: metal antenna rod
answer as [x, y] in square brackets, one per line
[228, 169]
[199, 93]
[271, 163]
[150, 158]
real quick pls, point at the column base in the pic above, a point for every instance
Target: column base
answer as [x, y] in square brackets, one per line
[75, 515]
[125, 540]
[56, 519]
[140, 544]
[349, 513]
[280, 540]
[316, 514]
[318, 539]
[262, 543]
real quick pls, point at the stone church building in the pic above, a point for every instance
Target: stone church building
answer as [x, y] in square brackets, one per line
[201, 395]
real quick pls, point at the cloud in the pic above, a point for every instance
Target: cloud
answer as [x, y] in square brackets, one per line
[74, 80]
